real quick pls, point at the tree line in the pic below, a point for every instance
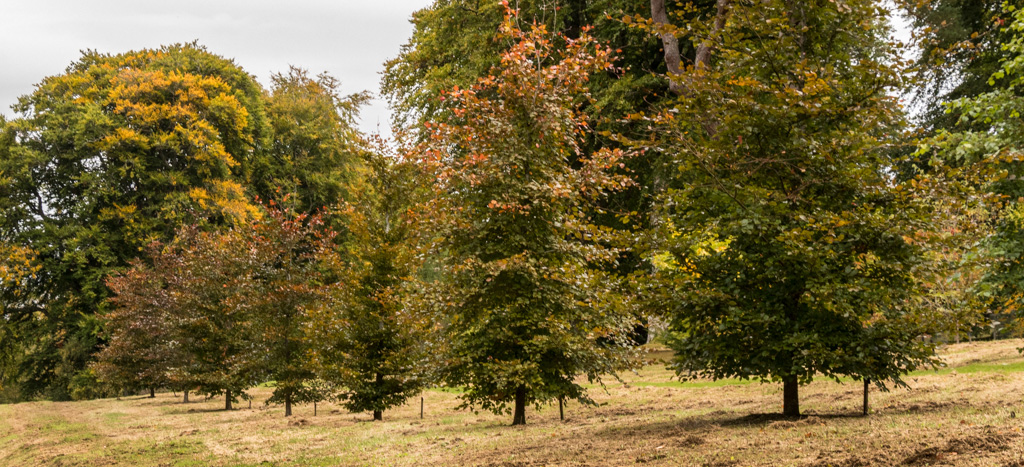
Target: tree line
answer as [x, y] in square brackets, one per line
[563, 175]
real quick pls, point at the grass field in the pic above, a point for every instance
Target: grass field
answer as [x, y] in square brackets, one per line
[970, 413]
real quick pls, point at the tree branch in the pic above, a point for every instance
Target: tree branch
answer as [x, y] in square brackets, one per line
[703, 58]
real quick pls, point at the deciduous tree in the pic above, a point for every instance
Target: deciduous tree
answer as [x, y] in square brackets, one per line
[316, 146]
[286, 255]
[524, 305]
[369, 342]
[140, 348]
[794, 252]
[985, 154]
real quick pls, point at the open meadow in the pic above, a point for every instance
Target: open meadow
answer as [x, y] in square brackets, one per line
[970, 413]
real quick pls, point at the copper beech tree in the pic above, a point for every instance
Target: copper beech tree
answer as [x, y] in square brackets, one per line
[523, 304]
[219, 312]
[286, 254]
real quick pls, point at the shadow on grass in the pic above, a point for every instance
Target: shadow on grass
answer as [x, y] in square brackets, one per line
[698, 423]
[187, 410]
[809, 417]
[133, 398]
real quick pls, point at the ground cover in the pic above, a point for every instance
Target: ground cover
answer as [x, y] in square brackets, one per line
[971, 413]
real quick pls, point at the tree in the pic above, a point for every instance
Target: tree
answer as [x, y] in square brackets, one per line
[316, 145]
[958, 44]
[221, 310]
[456, 42]
[286, 252]
[524, 307]
[111, 155]
[984, 154]
[368, 341]
[790, 249]
[208, 278]
[140, 345]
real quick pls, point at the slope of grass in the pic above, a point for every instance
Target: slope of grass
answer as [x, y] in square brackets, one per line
[969, 413]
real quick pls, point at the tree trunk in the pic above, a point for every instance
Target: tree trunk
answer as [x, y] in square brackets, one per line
[669, 42]
[561, 411]
[227, 399]
[288, 405]
[866, 383]
[790, 397]
[185, 401]
[152, 393]
[378, 415]
[519, 416]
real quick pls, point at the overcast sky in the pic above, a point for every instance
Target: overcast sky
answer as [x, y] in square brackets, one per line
[350, 39]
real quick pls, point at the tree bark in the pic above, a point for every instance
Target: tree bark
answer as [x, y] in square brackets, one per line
[519, 416]
[703, 58]
[185, 401]
[669, 43]
[288, 405]
[791, 397]
[866, 387]
[152, 393]
[378, 415]
[227, 399]
[561, 411]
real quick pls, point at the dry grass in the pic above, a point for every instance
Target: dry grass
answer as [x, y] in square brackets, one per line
[964, 415]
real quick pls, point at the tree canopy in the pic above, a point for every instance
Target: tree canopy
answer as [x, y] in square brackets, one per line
[524, 308]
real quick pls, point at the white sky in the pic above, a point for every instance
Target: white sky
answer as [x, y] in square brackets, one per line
[349, 39]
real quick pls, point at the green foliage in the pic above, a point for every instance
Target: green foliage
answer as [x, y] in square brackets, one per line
[86, 385]
[18, 267]
[122, 150]
[316, 147]
[524, 306]
[367, 340]
[221, 311]
[984, 155]
[455, 42]
[207, 275]
[959, 44]
[794, 253]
